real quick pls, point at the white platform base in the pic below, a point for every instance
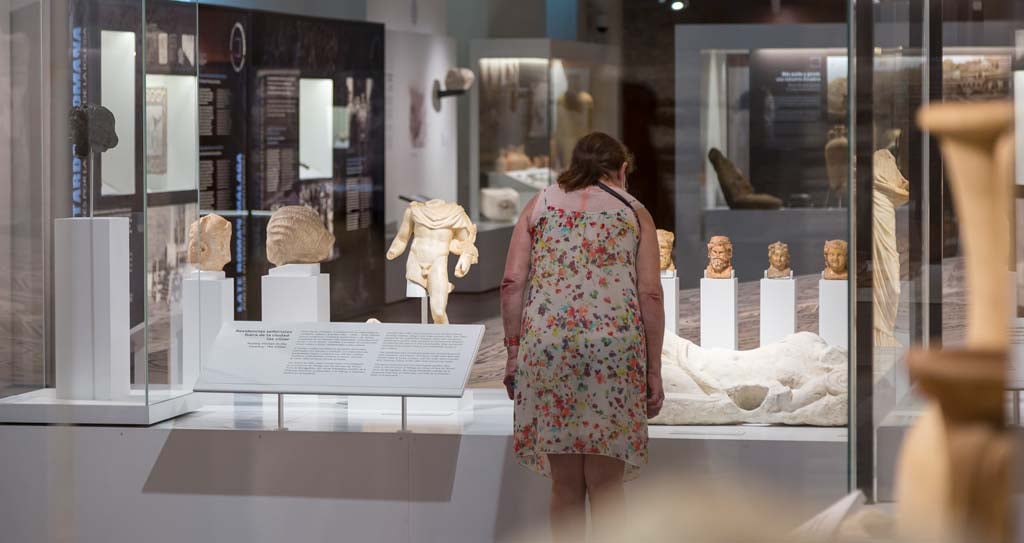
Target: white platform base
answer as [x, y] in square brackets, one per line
[91, 331]
[670, 291]
[718, 323]
[778, 309]
[207, 304]
[296, 293]
[834, 312]
[44, 407]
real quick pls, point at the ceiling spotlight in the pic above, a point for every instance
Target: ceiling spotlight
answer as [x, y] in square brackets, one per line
[678, 5]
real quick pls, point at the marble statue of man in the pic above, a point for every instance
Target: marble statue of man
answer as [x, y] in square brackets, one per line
[437, 229]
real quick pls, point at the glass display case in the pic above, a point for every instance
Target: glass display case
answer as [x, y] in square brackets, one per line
[98, 203]
[533, 100]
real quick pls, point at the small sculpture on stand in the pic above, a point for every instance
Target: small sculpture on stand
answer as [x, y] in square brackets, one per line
[92, 129]
[209, 243]
[438, 228]
[719, 258]
[836, 267]
[296, 235]
[666, 240]
[457, 82]
[778, 261]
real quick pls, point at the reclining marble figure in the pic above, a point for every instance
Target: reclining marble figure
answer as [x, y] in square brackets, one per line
[800, 380]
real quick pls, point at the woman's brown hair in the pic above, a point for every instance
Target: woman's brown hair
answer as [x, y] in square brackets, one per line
[595, 156]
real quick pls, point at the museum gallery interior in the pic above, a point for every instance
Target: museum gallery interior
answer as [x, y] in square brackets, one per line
[252, 255]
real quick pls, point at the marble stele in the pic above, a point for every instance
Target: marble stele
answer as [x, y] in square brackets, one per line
[719, 258]
[209, 243]
[296, 235]
[666, 240]
[437, 229]
[798, 380]
[778, 261]
[836, 258]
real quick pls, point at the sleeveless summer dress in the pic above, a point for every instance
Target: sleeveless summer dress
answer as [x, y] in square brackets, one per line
[581, 377]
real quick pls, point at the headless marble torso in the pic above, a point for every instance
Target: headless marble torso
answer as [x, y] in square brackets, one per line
[437, 228]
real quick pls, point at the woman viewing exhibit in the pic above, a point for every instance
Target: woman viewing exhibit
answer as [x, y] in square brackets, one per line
[581, 302]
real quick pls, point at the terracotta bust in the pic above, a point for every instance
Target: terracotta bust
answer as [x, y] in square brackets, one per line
[296, 235]
[835, 260]
[666, 240]
[719, 258]
[209, 243]
[778, 261]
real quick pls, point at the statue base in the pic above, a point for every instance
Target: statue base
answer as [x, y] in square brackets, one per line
[206, 305]
[296, 293]
[778, 309]
[834, 312]
[718, 323]
[670, 290]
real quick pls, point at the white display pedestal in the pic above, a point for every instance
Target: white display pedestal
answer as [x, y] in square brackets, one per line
[778, 309]
[670, 291]
[392, 405]
[834, 312]
[718, 323]
[91, 330]
[207, 304]
[296, 293]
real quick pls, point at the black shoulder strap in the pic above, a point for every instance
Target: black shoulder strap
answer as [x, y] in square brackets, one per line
[618, 196]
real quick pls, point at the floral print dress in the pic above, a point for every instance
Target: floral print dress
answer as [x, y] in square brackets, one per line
[581, 376]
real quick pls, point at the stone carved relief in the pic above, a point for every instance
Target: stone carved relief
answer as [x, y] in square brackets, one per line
[799, 380]
[209, 243]
[296, 235]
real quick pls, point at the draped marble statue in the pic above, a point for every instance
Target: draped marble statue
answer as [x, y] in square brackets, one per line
[891, 190]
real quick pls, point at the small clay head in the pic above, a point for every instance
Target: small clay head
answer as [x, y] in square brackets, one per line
[778, 255]
[209, 243]
[296, 235]
[666, 240]
[836, 257]
[720, 253]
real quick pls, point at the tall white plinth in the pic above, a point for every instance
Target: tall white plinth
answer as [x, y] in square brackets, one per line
[206, 304]
[670, 291]
[834, 312]
[718, 328]
[91, 305]
[778, 309]
[296, 293]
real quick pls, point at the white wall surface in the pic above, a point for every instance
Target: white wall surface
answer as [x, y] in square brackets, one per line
[413, 61]
[117, 93]
[424, 16]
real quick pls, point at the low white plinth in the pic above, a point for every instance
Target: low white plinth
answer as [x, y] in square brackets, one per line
[778, 309]
[206, 304]
[416, 407]
[412, 290]
[44, 407]
[718, 323]
[91, 306]
[834, 312]
[670, 291]
[296, 293]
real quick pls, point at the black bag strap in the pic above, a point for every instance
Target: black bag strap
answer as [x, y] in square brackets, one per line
[618, 196]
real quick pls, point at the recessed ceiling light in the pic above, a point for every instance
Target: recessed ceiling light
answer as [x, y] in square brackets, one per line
[678, 5]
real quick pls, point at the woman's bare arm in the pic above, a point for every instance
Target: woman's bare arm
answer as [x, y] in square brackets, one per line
[517, 271]
[652, 307]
